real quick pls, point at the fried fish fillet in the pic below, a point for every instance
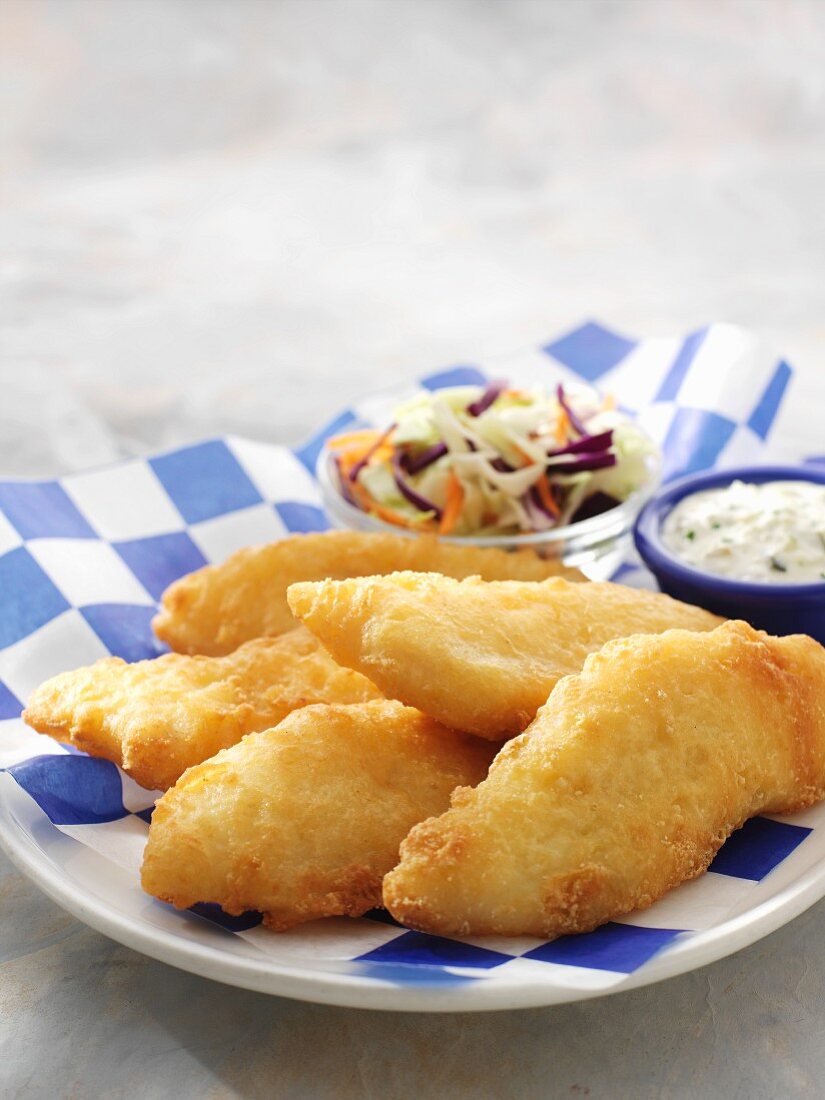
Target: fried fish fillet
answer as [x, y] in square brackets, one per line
[480, 657]
[216, 608]
[157, 718]
[303, 820]
[628, 783]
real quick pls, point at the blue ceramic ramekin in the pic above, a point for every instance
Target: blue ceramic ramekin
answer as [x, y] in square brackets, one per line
[777, 608]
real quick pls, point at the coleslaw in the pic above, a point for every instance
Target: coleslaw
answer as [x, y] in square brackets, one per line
[497, 460]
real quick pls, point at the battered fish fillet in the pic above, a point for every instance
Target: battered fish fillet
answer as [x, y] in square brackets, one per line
[158, 718]
[303, 820]
[628, 783]
[478, 657]
[216, 608]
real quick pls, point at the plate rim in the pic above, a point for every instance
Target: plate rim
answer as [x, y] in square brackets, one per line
[353, 991]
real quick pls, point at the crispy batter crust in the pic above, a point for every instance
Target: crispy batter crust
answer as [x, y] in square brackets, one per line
[303, 820]
[216, 608]
[157, 718]
[477, 656]
[627, 784]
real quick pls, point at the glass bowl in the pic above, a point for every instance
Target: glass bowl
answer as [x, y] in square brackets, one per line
[596, 545]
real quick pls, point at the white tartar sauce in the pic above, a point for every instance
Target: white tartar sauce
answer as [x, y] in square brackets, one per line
[772, 533]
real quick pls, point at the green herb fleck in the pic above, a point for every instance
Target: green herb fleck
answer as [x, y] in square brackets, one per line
[690, 535]
[716, 526]
[777, 566]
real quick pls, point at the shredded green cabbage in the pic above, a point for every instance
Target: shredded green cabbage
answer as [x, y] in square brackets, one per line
[500, 472]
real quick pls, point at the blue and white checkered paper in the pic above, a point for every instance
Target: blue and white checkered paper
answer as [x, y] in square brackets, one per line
[85, 558]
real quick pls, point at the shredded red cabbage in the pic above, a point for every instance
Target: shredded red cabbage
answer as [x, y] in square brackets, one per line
[538, 515]
[502, 466]
[416, 499]
[579, 463]
[493, 390]
[594, 506]
[589, 443]
[359, 466]
[424, 459]
[535, 497]
[575, 422]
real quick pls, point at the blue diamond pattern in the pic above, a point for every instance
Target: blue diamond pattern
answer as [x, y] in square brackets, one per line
[161, 559]
[205, 481]
[10, 705]
[73, 789]
[414, 948]
[42, 509]
[455, 376]
[125, 629]
[298, 517]
[694, 441]
[28, 598]
[346, 421]
[757, 848]
[619, 947]
[591, 350]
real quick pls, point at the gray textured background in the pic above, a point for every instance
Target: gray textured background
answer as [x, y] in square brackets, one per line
[235, 216]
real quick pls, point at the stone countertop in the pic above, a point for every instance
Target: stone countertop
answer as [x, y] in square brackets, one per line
[234, 217]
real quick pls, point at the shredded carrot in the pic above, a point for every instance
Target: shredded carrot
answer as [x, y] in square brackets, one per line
[361, 495]
[364, 437]
[383, 453]
[562, 427]
[354, 448]
[523, 455]
[346, 460]
[546, 495]
[371, 505]
[388, 516]
[452, 509]
[352, 457]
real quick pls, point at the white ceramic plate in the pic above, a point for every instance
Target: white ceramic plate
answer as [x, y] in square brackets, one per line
[315, 962]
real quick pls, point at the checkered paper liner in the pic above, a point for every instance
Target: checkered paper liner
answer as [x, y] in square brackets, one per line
[84, 560]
